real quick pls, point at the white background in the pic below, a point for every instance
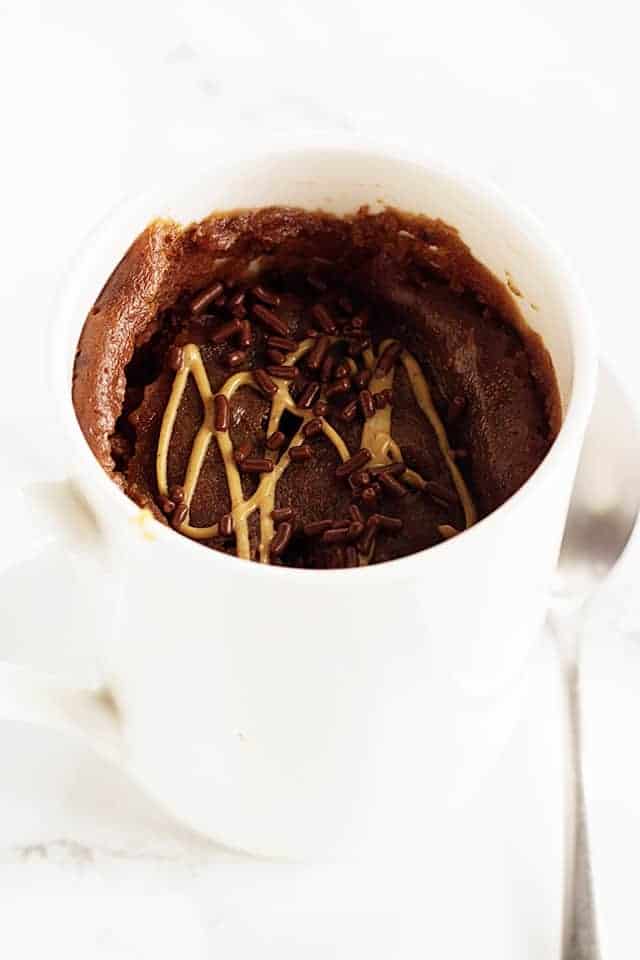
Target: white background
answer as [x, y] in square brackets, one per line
[541, 96]
[98, 98]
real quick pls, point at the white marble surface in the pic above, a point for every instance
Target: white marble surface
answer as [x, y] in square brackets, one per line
[109, 876]
[97, 99]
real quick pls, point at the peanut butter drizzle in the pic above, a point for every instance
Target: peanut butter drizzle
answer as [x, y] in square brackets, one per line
[376, 434]
[376, 437]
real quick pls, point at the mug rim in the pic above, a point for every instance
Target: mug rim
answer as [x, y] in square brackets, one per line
[583, 349]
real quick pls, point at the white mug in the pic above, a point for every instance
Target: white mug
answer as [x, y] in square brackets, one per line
[314, 714]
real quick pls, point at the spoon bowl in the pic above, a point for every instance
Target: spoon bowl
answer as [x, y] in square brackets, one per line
[605, 499]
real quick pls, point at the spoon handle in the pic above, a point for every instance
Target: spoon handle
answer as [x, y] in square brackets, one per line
[606, 717]
[580, 936]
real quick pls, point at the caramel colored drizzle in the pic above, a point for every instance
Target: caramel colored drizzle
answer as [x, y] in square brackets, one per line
[263, 499]
[422, 393]
[376, 434]
[376, 437]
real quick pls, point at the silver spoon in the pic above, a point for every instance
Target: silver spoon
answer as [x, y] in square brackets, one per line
[603, 511]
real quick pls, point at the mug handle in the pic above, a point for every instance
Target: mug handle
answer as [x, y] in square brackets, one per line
[44, 515]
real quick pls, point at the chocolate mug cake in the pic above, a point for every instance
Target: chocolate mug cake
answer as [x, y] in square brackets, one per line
[309, 390]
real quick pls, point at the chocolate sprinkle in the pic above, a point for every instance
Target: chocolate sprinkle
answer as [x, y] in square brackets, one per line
[392, 486]
[300, 453]
[237, 299]
[322, 317]
[236, 358]
[220, 412]
[355, 513]
[281, 539]
[280, 514]
[242, 451]
[245, 333]
[275, 441]
[265, 382]
[351, 556]
[349, 411]
[337, 387]
[179, 515]
[366, 404]
[267, 296]
[393, 524]
[353, 463]
[207, 296]
[316, 356]
[369, 497]
[167, 506]
[316, 282]
[308, 396]
[283, 372]
[226, 331]
[276, 356]
[270, 320]
[256, 465]
[388, 358]
[366, 540]
[316, 527]
[176, 493]
[175, 358]
[361, 478]
[355, 529]
[336, 535]
[281, 343]
[326, 371]
[312, 428]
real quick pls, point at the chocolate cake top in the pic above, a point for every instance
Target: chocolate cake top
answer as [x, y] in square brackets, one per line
[309, 390]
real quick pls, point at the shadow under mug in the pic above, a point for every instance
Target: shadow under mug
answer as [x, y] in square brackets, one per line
[325, 715]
